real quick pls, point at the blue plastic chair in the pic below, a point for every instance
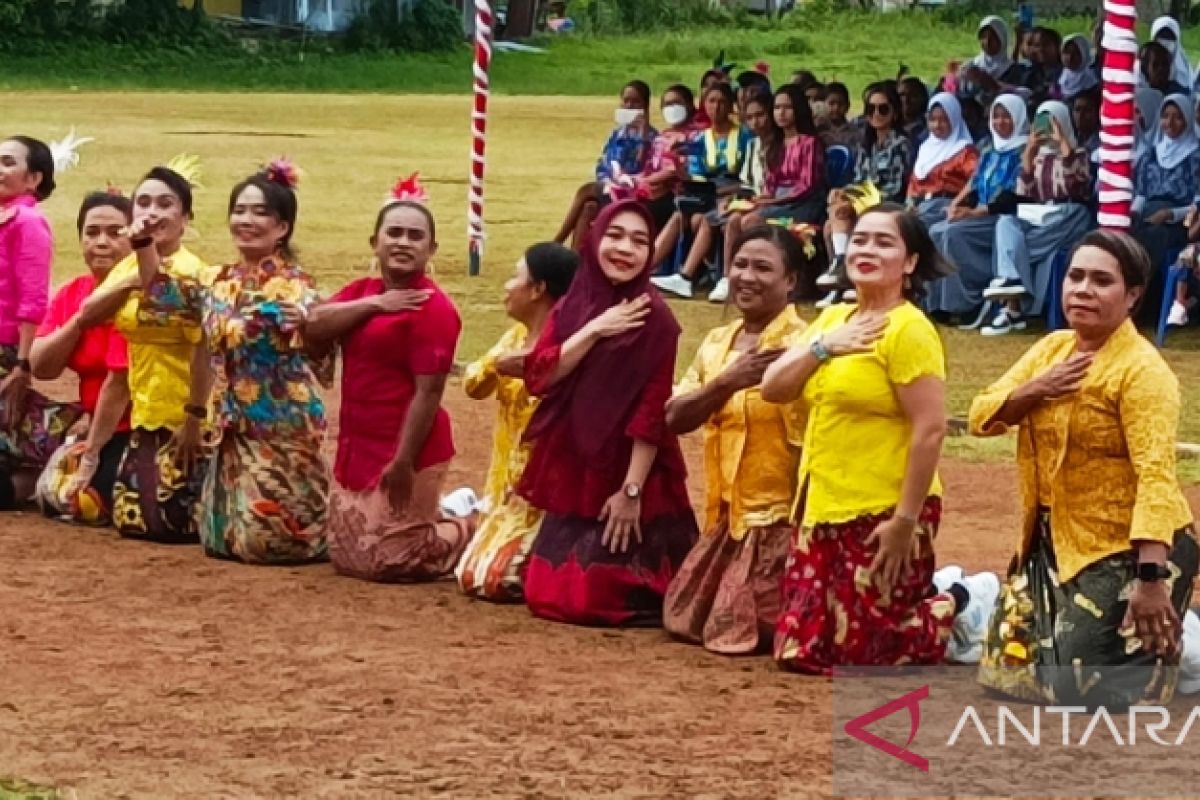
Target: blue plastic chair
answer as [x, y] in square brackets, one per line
[839, 166]
[1058, 272]
[1176, 273]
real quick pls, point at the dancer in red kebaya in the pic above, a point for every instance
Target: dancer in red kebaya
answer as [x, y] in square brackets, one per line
[604, 468]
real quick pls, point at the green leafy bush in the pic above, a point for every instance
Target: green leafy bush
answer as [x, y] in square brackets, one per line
[429, 26]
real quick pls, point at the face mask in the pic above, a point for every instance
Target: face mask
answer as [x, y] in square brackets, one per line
[628, 116]
[675, 114]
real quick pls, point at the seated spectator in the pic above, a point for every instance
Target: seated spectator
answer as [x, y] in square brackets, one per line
[1165, 31]
[1166, 182]
[914, 102]
[1085, 115]
[1041, 79]
[664, 171]
[1055, 170]
[987, 75]
[944, 163]
[750, 83]
[1077, 75]
[967, 234]
[837, 128]
[1154, 62]
[628, 147]
[711, 78]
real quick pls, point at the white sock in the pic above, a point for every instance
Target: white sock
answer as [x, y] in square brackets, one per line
[840, 242]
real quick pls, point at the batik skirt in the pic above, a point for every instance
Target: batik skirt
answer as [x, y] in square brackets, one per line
[371, 541]
[42, 430]
[834, 613]
[493, 565]
[153, 499]
[1065, 642]
[726, 595]
[92, 505]
[264, 501]
[573, 578]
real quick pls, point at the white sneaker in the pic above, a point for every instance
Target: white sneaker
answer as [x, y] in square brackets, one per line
[946, 577]
[829, 299]
[984, 315]
[1004, 289]
[720, 292]
[1005, 322]
[1189, 659]
[1178, 315]
[674, 284]
[829, 278]
[460, 503]
[850, 296]
[971, 624]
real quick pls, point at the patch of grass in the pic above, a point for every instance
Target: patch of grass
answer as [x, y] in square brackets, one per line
[351, 147]
[855, 48]
[13, 789]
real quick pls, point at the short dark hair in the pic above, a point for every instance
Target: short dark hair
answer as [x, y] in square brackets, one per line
[839, 89]
[1051, 34]
[178, 185]
[931, 264]
[789, 248]
[726, 91]
[753, 78]
[280, 201]
[39, 160]
[383, 212]
[643, 91]
[804, 78]
[1129, 253]
[98, 199]
[553, 265]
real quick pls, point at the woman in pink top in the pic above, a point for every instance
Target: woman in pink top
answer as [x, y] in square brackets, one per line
[397, 333]
[77, 335]
[31, 428]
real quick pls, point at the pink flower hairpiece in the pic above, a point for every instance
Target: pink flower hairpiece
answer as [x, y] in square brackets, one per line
[283, 172]
[409, 190]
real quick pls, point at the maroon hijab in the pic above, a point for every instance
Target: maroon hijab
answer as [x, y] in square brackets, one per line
[598, 398]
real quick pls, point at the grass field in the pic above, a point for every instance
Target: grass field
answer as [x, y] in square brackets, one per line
[867, 47]
[351, 148]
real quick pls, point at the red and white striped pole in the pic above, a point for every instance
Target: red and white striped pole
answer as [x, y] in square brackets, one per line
[484, 21]
[1117, 115]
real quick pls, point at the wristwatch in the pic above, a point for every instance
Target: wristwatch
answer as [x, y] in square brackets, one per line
[633, 491]
[819, 350]
[1149, 572]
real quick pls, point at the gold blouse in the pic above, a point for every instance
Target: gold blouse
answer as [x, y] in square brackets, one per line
[751, 447]
[514, 409]
[1102, 460]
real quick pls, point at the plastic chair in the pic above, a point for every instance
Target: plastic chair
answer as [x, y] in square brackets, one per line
[1176, 273]
[1058, 272]
[839, 166]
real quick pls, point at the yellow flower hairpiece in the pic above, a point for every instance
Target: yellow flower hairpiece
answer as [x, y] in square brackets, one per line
[862, 196]
[188, 168]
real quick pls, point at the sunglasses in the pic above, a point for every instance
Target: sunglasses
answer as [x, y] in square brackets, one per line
[883, 109]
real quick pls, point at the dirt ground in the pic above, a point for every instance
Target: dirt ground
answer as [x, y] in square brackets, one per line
[137, 671]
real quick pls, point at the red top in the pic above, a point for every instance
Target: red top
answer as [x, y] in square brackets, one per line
[560, 480]
[380, 361]
[90, 358]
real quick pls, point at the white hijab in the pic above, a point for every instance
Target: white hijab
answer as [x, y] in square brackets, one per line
[998, 64]
[1062, 115]
[1072, 82]
[1169, 152]
[1181, 70]
[1015, 107]
[935, 151]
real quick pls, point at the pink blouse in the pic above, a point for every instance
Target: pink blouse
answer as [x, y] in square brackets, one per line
[26, 254]
[799, 171]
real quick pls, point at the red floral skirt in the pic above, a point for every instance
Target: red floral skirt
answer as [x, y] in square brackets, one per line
[573, 578]
[835, 615]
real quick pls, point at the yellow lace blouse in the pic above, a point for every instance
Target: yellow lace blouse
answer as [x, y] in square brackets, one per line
[751, 448]
[514, 408]
[160, 356]
[1102, 460]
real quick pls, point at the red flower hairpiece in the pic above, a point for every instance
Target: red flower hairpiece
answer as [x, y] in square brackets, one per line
[763, 67]
[283, 172]
[409, 190]
[113, 190]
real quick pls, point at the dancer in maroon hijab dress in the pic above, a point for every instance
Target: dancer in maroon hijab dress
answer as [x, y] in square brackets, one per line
[604, 468]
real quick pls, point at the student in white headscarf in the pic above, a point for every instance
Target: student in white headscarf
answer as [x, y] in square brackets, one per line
[1166, 183]
[967, 234]
[986, 75]
[945, 161]
[1165, 31]
[1077, 75]
[1055, 170]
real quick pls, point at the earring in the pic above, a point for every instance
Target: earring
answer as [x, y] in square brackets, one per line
[908, 283]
